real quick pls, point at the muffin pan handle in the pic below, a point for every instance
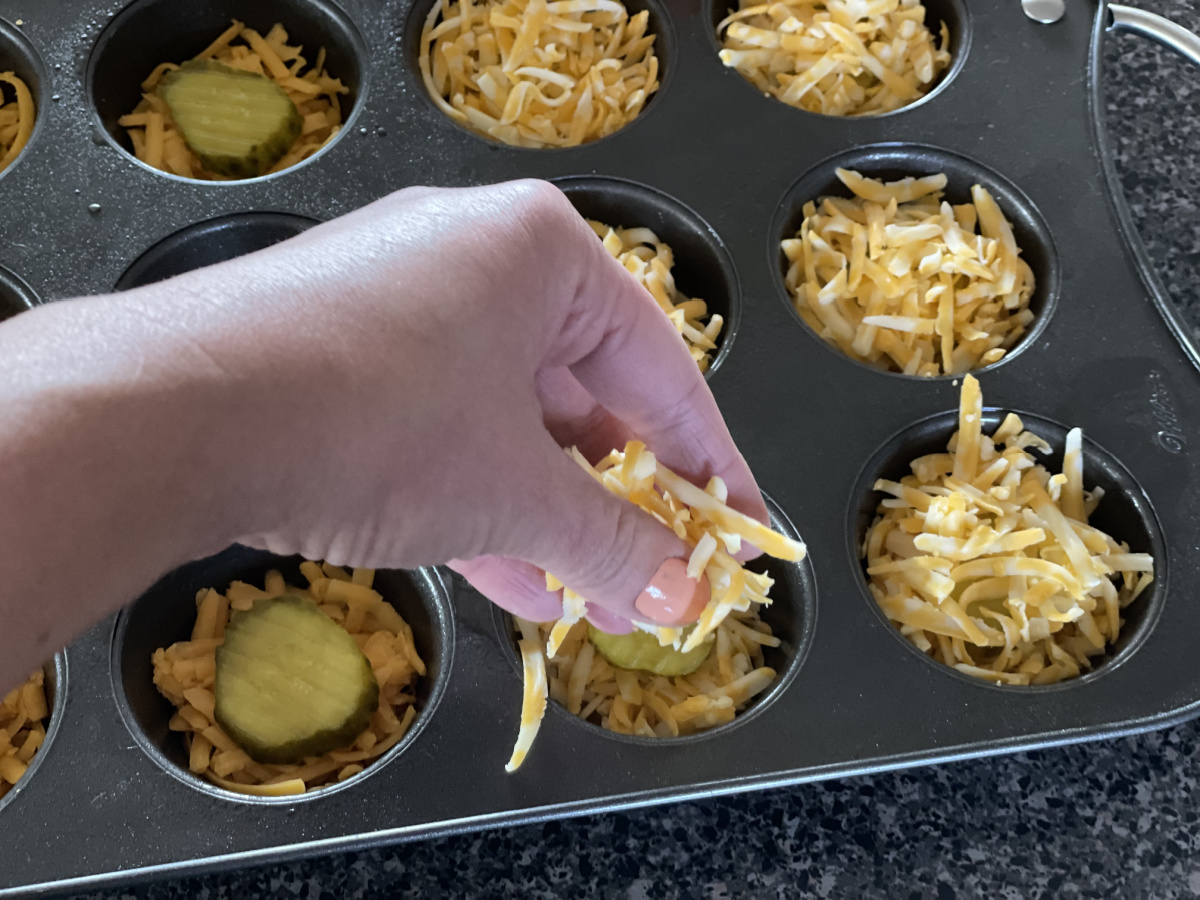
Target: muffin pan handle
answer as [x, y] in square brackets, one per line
[1155, 27]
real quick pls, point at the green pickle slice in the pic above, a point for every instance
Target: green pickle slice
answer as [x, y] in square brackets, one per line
[291, 683]
[238, 124]
[639, 650]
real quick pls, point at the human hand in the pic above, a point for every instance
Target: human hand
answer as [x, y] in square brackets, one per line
[390, 389]
[476, 332]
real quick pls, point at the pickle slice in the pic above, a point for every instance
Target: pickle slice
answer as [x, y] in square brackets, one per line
[639, 650]
[291, 683]
[237, 123]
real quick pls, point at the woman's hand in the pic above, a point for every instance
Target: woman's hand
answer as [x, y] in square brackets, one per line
[392, 388]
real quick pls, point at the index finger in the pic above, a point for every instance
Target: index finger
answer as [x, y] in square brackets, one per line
[627, 354]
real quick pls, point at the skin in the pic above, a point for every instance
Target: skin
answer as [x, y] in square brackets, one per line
[390, 389]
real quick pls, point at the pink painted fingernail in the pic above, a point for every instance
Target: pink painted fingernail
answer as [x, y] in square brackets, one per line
[672, 598]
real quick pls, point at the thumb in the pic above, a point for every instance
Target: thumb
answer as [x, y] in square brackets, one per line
[606, 549]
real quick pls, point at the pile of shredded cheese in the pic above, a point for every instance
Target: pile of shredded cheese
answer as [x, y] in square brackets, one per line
[185, 673]
[533, 73]
[985, 561]
[23, 716]
[714, 531]
[158, 142]
[650, 261]
[17, 117]
[632, 701]
[836, 57]
[898, 278]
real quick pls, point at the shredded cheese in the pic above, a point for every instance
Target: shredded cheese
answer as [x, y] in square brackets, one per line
[898, 278]
[650, 261]
[631, 701]
[24, 714]
[533, 703]
[836, 57]
[16, 119]
[979, 566]
[158, 142]
[730, 676]
[533, 73]
[185, 673]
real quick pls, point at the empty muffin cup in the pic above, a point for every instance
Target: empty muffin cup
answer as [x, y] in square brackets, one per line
[211, 242]
[15, 295]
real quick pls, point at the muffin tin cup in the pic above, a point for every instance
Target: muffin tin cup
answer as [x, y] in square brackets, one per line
[15, 295]
[660, 24]
[166, 613]
[954, 13]
[147, 33]
[892, 162]
[55, 685]
[792, 615]
[19, 56]
[208, 243]
[1124, 513]
[1016, 114]
[703, 267]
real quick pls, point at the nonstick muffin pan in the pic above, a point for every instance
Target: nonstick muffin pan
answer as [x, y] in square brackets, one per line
[721, 172]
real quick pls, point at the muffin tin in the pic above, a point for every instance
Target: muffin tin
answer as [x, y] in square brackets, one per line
[721, 172]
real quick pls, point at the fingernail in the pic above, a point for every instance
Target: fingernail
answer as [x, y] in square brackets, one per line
[672, 598]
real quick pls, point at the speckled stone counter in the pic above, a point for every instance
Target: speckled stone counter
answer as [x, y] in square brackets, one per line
[1119, 819]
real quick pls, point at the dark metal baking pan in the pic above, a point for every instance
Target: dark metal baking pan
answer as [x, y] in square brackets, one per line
[722, 170]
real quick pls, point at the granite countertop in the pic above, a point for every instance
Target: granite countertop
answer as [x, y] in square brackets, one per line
[1106, 820]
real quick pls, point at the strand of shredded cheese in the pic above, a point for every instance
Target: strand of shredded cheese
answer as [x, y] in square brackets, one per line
[714, 531]
[158, 142]
[985, 561]
[533, 703]
[650, 261]
[16, 120]
[836, 57]
[533, 73]
[898, 278]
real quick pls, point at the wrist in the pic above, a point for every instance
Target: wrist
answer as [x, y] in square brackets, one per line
[124, 452]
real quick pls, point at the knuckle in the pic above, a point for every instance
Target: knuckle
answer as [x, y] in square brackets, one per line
[541, 206]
